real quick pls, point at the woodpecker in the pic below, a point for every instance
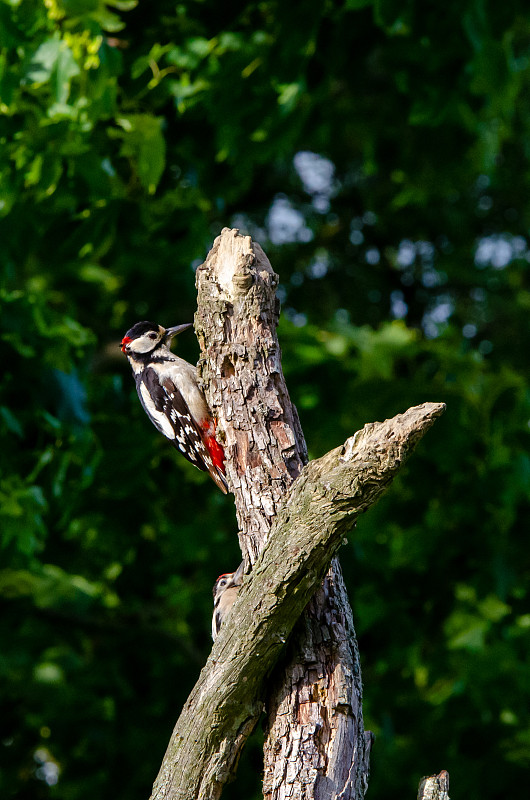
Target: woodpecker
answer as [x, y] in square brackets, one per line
[225, 591]
[169, 392]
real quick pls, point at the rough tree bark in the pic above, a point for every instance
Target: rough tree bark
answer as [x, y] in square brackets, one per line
[316, 746]
[314, 710]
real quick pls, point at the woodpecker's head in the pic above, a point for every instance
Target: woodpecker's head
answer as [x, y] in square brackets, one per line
[228, 581]
[145, 337]
[225, 591]
[222, 583]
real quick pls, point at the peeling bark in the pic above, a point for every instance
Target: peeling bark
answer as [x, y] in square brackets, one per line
[315, 706]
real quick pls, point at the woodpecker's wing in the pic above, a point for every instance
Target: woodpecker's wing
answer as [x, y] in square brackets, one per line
[167, 410]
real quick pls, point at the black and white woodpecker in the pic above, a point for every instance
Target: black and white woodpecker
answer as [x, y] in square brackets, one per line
[170, 394]
[225, 591]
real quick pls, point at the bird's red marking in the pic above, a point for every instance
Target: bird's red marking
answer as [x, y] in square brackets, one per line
[214, 448]
[217, 453]
[125, 341]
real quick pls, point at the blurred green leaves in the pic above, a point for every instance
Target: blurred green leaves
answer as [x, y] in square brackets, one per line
[54, 588]
[21, 514]
[378, 152]
[53, 63]
[467, 629]
[144, 145]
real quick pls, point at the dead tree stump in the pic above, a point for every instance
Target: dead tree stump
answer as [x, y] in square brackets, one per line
[292, 519]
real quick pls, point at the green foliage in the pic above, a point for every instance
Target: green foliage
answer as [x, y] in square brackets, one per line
[378, 151]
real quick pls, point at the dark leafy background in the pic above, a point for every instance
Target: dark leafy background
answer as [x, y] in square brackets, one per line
[379, 152]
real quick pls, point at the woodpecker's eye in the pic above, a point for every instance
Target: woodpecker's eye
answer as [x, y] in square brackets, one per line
[152, 335]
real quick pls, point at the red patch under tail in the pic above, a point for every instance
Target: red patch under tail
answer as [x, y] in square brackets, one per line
[217, 453]
[214, 448]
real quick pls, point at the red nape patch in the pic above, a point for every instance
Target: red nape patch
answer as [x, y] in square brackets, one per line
[217, 453]
[124, 341]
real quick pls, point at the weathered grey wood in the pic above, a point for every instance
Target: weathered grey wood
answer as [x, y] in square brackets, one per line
[320, 509]
[435, 787]
[241, 365]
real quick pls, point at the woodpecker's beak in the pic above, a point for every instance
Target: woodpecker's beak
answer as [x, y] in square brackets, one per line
[172, 332]
[238, 574]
